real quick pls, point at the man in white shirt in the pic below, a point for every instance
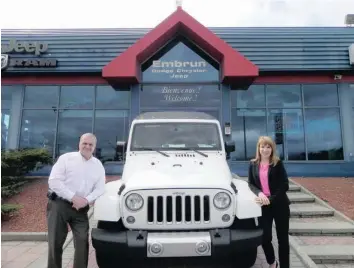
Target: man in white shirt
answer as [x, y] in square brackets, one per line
[77, 179]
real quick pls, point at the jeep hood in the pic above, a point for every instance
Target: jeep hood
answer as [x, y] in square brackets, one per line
[171, 172]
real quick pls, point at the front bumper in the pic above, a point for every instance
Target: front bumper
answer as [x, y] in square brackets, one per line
[135, 244]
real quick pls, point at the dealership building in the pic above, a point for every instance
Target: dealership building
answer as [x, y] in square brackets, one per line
[295, 84]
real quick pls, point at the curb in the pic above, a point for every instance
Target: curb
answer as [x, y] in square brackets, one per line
[304, 258]
[24, 236]
[321, 202]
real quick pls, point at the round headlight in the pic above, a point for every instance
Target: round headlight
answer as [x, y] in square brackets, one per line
[222, 200]
[134, 202]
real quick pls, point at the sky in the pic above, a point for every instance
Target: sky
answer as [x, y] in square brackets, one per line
[44, 14]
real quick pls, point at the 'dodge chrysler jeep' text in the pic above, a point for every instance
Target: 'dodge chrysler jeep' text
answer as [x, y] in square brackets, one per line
[177, 197]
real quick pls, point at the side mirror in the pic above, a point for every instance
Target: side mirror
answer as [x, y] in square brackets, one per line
[230, 146]
[121, 149]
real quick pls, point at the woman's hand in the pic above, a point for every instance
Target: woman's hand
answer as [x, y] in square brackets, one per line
[262, 199]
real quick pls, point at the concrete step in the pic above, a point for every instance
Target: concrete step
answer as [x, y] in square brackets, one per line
[294, 188]
[330, 253]
[299, 197]
[310, 210]
[321, 228]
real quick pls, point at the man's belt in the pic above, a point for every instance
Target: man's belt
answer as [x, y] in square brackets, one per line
[53, 196]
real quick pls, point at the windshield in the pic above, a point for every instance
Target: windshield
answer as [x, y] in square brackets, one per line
[175, 136]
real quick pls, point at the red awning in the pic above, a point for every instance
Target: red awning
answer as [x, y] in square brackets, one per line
[235, 68]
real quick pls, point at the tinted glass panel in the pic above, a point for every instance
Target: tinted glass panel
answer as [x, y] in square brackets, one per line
[247, 126]
[110, 126]
[76, 97]
[175, 96]
[323, 134]
[286, 96]
[6, 97]
[179, 62]
[5, 125]
[109, 98]
[351, 90]
[38, 129]
[72, 124]
[320, 95]
[285, 126]
[253, 97]
[41, 97]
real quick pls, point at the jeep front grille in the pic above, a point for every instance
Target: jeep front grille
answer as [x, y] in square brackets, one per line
[177, 209]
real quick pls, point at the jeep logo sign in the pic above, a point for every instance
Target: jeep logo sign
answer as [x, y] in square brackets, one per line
[37, 48]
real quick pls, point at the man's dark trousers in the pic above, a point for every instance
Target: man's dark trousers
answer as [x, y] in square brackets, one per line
[59, 214]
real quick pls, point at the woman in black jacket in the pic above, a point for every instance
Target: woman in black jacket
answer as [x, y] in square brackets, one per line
[268, 179]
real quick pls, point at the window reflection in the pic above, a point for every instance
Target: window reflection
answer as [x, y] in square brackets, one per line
[72, 124]
[77, 97]
[110, 126]
[285, 126]
[323, 134]
[320, 95]
[38, 129]
[254, 97]
[5, 125]
[6, 97]
[41, 97]
[286, 96]
[351, 90]
[109, 98]
[247, 126]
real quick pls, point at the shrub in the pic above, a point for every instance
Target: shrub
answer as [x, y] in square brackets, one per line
[15, 165]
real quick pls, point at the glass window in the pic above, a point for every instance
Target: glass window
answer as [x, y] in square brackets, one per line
[247, 126]
[323, 134]
[38, 129]
[283, 96]
[72, 124]
[76, 97]
[180, 61]
[285, 126]
[253, 97]
[320, 95]
[351, 92]
[41, 97]
[6, 97]
[5, 126]
[111, 126]
[175, 96]
[109, 98]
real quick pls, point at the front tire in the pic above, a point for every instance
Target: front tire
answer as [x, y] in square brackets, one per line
[246, 259]
[104, 260]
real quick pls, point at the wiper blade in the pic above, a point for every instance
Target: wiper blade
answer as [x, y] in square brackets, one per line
[194, 150]
[149, 149]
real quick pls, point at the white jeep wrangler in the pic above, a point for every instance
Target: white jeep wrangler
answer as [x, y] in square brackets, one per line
[177, 197]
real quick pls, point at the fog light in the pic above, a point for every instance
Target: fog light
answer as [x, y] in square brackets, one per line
[225, 217]
[202, 247]
[130, 219]
[156, 248]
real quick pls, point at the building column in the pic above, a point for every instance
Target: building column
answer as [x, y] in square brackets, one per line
[15, 117]
[347, 115]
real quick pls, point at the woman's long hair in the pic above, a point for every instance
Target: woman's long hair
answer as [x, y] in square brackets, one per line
[265, 140]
